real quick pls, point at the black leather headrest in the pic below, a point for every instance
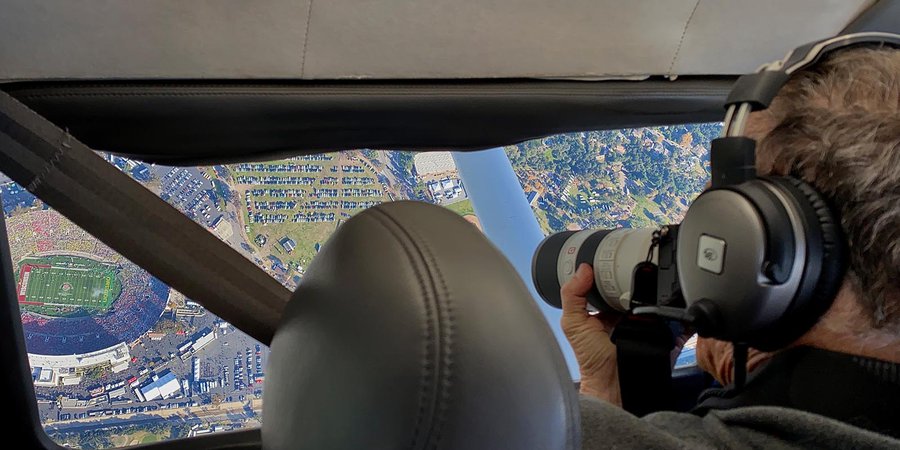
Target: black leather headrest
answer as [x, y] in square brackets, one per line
[410, 330]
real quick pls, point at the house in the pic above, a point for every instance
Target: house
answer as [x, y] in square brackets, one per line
[532, 197]
[287, 244]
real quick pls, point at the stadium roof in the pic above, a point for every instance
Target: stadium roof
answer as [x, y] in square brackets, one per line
[111, 355]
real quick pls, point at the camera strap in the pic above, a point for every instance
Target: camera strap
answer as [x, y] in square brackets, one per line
[643, 351]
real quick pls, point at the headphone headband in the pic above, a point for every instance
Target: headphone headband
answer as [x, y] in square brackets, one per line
[733, 155]
[755, 91]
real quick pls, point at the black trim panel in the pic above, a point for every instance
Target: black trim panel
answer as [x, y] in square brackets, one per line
[189, 123]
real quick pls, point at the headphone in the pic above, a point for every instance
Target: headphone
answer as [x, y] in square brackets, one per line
[760, 259]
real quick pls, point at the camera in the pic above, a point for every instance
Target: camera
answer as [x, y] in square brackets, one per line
[633, 268]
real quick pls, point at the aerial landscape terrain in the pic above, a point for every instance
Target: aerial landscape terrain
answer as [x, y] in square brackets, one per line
[118, 358]
[606, 179]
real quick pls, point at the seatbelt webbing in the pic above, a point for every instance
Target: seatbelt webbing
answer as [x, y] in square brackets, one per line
[71, 178]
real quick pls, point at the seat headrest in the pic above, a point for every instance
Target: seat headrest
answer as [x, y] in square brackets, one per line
[410, 330]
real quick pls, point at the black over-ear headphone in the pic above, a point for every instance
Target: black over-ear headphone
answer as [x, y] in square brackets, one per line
[761, 259]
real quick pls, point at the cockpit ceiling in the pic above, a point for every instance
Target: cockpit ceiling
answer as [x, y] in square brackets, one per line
[438, 39]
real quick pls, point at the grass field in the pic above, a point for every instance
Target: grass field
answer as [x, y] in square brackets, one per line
[135, 438]
[463, 208]
[61, 285]
[303, 199]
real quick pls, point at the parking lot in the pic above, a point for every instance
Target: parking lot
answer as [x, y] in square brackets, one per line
[189, 190]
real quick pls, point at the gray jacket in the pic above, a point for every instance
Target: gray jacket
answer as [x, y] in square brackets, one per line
[752, 427]
[803, 398]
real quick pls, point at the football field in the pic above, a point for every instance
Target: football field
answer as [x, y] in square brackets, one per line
[62, 285]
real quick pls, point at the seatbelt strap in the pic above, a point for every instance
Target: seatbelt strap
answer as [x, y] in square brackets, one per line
[71, 178]
[643, 352]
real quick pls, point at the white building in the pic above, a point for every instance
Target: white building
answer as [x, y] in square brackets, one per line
[430, 163]
[55, 370]
[162, 387]
[445, 189]
[203, 341]
[118, 393]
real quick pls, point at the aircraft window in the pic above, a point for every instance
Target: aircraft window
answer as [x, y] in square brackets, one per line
[118, 358]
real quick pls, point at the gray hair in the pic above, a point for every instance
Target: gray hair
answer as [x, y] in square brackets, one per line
[837, 126]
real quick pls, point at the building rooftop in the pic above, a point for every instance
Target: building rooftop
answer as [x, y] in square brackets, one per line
[163, 387]
[288, 244]
[428, 163]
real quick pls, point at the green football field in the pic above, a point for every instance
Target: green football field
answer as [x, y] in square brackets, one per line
[66, 285]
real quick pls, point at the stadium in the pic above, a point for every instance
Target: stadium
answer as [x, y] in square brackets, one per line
[76, 295]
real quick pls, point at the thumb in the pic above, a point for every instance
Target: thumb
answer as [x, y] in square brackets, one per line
[574, 292]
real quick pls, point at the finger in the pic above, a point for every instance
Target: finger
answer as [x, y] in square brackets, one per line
[574, 291]
[580, 283]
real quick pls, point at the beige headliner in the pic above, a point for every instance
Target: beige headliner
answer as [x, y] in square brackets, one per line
[339, 39]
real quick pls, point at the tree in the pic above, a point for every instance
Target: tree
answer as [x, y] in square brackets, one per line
[96, 372]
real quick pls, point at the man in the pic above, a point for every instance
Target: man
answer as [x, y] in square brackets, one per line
[837, 126]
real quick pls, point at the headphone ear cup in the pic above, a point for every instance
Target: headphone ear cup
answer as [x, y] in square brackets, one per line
[818, 288]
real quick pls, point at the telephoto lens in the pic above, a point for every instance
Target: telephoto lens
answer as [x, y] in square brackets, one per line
[612, 253]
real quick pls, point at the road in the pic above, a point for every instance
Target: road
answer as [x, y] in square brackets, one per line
[228, 415]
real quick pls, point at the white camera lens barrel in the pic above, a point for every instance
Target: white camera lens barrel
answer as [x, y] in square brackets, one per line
[614, 263]
[612, 253]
